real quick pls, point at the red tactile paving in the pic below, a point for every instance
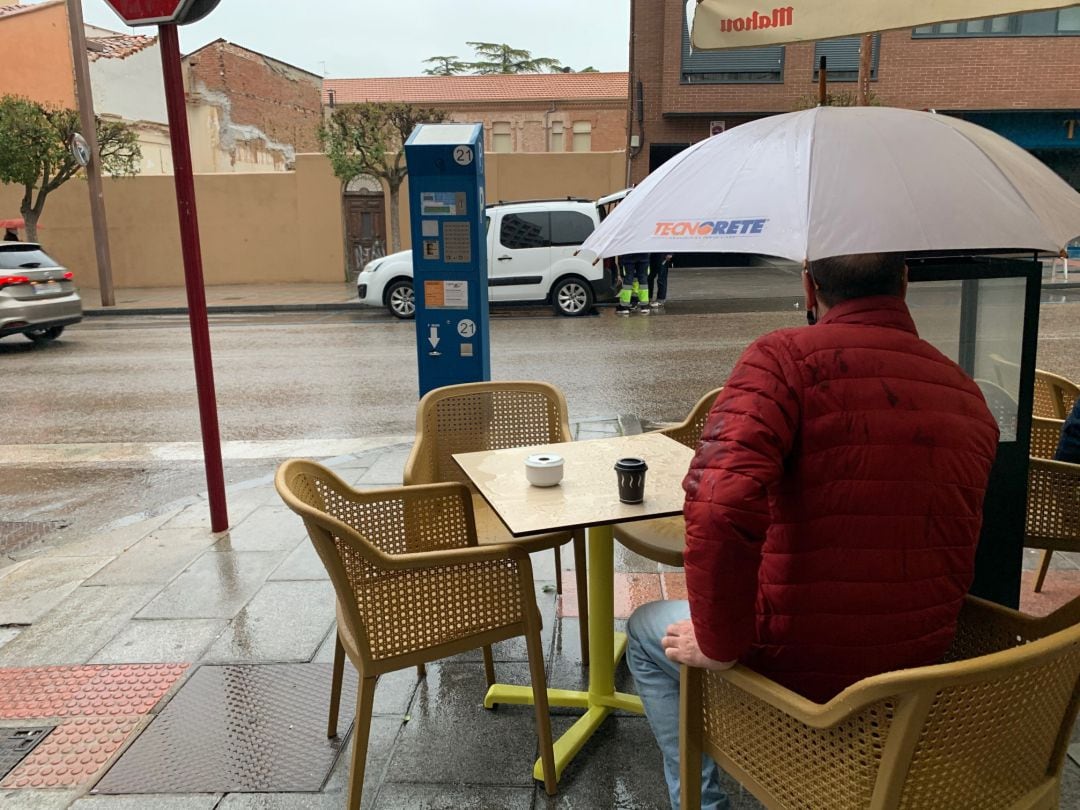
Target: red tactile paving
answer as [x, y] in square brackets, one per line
[102, 706]
[115, 690]
[72, 754]
[1060, 587]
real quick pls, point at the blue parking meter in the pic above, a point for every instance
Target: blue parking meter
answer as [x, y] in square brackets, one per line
[449, 243]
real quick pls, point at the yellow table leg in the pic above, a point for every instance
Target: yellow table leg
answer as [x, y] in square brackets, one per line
[606, 648]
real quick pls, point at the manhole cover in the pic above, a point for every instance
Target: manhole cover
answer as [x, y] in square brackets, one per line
[237, 729]
[20, 535]
[16, 743]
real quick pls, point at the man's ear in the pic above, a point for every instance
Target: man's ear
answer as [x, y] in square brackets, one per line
[809, 289]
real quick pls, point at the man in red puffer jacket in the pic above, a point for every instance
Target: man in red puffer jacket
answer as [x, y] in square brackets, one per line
[832, 508]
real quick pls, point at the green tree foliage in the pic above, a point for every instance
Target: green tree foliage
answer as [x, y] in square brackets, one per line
[495, 57]
[445, 66]
[368, 139]
[35, 151]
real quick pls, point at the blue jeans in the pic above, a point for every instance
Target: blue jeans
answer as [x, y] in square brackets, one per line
[657, 680]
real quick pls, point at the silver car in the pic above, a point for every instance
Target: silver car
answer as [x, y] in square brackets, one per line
[38, 297]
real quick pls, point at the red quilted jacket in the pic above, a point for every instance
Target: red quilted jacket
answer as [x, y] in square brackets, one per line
[834, 504]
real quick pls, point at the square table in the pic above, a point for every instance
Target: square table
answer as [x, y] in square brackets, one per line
[587, 497]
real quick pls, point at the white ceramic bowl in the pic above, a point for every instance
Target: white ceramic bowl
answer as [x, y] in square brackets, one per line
[544, 469]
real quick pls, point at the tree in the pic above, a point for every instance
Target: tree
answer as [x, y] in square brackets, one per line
[368, 138]
[493, 57]
[444, 66]
[35, 151]
[837, 98]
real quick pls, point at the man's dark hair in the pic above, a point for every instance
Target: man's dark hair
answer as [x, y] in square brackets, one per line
[858, 275]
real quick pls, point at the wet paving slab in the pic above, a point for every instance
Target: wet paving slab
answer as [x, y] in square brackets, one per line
[216, 585]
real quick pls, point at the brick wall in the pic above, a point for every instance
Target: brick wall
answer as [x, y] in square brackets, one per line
[282, 102]
[1003, 73]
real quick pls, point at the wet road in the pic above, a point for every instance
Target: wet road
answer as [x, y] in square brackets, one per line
[129, 382]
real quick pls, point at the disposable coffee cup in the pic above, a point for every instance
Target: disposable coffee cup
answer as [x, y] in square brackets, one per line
[630, 473]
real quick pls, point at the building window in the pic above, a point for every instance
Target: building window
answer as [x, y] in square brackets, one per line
[582, 136]
[502, 140]
[842, 58]
[557, 139]
[740, 66]
[1063, 22]
[1068, 21]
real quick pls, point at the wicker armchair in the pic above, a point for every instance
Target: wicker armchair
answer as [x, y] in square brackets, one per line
[413, 586]
[493, 416]
[1054, 395]
[663, 539]
[1053, 509]
[988, 730]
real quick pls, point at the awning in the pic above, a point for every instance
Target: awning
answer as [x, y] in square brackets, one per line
[746, 23]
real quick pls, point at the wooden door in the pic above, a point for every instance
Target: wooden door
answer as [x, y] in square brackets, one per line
[365, 229]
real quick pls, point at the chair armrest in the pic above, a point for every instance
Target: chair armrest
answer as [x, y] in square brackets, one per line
[449, 557]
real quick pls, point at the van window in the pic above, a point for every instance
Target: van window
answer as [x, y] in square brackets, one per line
[569, 228]
[521, 231]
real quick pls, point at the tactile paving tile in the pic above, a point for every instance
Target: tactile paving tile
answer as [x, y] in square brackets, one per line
[75, 751]
[16, 743]
[112, 690]
[257, 728]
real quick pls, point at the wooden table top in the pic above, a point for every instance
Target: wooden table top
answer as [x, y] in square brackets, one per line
[588, 494]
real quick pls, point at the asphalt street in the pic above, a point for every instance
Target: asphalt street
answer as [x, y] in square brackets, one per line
[103, 424]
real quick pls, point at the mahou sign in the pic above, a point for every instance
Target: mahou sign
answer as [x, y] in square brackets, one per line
[161, 12]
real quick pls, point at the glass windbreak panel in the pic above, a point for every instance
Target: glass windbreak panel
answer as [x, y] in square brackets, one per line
[978, 323]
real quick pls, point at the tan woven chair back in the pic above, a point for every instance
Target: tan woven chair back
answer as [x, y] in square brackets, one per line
[1045, 436]
[985, 732]
[689, 431]
[1054, 395]
[483, 416]
[393, 611]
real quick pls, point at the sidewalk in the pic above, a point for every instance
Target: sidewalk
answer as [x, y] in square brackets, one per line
[226, 640]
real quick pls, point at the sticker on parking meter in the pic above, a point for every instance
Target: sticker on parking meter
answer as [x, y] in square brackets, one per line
[457, 243]
[463, 155]
[443, 204]
[430, 228]
[466, 328]
[431, 249]
[446, 294]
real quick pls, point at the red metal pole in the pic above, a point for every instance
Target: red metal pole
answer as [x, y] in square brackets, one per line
[176, 104]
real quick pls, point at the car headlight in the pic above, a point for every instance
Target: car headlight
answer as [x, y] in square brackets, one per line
[371, 267]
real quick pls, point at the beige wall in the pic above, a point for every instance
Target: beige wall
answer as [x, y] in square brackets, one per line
[35, 56]
[262, 228]
[267, 227]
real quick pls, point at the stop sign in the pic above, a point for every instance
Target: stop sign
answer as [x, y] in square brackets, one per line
[158, 12]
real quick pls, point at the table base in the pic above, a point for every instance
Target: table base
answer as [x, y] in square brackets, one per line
[606, 647]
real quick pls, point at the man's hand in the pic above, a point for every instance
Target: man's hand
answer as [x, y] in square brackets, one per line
[680, 645]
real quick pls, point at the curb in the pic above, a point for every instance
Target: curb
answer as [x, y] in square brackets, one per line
[110, 312]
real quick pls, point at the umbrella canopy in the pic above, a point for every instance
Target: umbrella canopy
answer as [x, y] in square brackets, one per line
[838, 180]
[748, 23]
[12, 223]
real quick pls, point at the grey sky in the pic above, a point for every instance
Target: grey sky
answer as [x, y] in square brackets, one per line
[351, 38]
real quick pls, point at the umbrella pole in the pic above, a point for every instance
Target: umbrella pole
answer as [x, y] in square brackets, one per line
[866, 52]
[822, 79]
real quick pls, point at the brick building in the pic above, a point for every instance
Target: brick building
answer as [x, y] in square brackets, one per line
[257, 111]
[1014, 74]
[536, 112]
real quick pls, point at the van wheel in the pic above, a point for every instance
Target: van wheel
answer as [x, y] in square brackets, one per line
[44, 335]
[572, 297]
[400, 299]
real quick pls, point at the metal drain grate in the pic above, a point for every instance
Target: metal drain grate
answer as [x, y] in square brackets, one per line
[237, 729]
[20, 535]
[16, 743]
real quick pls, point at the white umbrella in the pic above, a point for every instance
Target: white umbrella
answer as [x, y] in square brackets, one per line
[838, 180]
